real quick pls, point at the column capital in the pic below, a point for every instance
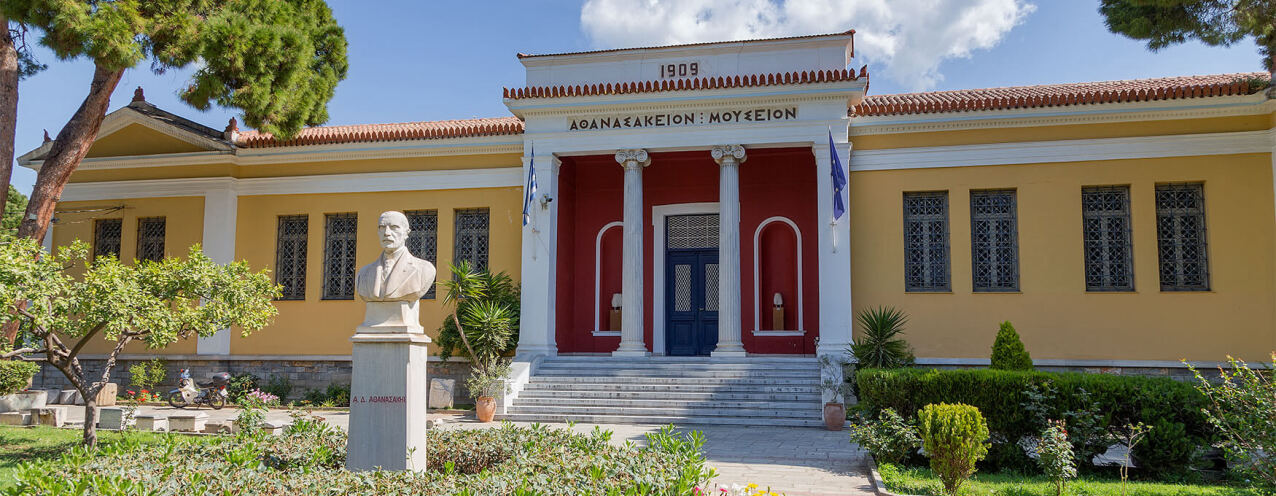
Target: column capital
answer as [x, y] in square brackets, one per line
[729, 154]
[633, 158]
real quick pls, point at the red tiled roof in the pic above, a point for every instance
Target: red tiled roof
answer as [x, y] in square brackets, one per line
[363, 133]
[1059, 95]
[807, 77]
[784, 38]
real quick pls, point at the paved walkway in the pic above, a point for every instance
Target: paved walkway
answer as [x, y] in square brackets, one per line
[797, 461]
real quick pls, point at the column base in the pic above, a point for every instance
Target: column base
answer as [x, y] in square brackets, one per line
[631, 353]
[728, 354]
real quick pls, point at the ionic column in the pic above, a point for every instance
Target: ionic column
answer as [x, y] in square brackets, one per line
[729, 158]
[631, 320]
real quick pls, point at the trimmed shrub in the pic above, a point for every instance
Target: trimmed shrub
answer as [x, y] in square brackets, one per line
[954, 437]
[890, 438]
[15, 374]
[1001, 394]
[1008, 352]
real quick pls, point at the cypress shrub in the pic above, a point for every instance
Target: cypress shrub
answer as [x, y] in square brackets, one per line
[1002, 394]
[954, 437]
[1008, 352]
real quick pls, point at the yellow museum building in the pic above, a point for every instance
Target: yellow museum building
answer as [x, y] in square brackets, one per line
[690, 191]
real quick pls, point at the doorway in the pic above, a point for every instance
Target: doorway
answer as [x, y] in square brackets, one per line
[691, 290]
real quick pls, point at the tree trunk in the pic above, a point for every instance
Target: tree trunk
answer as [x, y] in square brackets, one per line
[8, 108]
[70, 147]
[90, 420]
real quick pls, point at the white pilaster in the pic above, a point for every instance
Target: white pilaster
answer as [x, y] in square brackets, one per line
[539, 266]
[221, 206]
[834, 249]
[729, 158]
[631, 321]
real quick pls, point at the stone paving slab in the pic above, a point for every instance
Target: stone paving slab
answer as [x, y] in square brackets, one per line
[798, 461]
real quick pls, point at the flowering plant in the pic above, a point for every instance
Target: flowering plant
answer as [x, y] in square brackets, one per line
[735, 490]
[262, 397]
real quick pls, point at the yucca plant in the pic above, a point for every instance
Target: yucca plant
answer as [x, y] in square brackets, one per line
[879, 344]
[483, 323]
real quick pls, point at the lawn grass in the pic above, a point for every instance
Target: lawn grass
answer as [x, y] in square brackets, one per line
[921, 481]
[22, 444]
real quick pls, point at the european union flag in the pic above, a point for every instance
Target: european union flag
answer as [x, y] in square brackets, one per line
[839, 181]
[531, 189]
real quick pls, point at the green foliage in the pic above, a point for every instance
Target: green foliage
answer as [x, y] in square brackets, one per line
[278, 385]
[922, 481]
[1242, 408]
[15, 375]
[955, 438]
[240, 385]
[1001, 396]
[14, 206]
[489, 379]
[879, 345]
[333, 395]
[1081, 413]
[1008, 352]
[1054, 455]
[1168, 450]
[487, 305]
[309, 458]
[890, 438]
[147, 375]
[277, 61]
[1163, 23]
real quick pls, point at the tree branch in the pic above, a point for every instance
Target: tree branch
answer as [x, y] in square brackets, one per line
[22, 351]
[85, 340]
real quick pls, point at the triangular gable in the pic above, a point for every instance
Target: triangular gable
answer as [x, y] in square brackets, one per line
[143, 129]
[137, 139]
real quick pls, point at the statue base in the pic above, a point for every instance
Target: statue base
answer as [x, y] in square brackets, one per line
[388, 399]
[391, 317]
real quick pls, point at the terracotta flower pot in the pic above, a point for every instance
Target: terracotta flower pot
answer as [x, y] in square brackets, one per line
[485, 407]
[834, 416]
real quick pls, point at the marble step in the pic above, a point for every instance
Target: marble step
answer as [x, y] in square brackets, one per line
[659, 419]
[811, 412]
[699, 381]
[725, 374]
[670, 388]
[665, 360]
[669, 395]
[716, 403]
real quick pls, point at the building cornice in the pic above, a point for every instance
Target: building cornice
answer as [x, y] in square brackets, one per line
[845, 91]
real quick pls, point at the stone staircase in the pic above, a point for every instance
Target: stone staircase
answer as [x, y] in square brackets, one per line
[663, 390]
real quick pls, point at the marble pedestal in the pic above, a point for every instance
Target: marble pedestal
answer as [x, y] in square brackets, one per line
[388, 398]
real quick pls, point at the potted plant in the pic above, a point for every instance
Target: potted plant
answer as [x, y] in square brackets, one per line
[835, 389]
[485, 383]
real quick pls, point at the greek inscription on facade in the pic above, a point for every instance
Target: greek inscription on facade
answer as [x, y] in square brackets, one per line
[683, 119]
[378, 399]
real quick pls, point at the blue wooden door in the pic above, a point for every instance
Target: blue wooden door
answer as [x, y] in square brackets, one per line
[691, 302]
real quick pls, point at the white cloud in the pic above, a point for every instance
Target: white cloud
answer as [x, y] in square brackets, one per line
[904, 40]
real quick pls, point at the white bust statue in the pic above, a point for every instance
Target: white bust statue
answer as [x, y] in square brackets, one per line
[394, 283]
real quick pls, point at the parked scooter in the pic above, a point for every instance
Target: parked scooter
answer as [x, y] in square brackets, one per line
[213, 394]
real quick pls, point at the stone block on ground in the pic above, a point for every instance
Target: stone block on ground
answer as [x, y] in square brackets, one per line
[157, 423]
[112, 418]
[442, 392]
[14, 418]
[23, 400]
[218, 428]
[271, 428]
[67, 396]
[187, 421]
[53, 416]
[108, 394]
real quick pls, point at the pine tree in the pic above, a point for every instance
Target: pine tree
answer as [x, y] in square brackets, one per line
[1008, 352]
[1214, 22]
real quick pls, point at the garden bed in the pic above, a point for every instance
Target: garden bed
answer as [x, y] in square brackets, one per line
[309, 459]
[921, 481]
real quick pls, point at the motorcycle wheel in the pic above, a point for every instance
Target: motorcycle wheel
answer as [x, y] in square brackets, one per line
[176, 400]
[216, 401]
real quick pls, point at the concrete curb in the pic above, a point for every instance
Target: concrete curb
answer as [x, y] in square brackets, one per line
[879, 485]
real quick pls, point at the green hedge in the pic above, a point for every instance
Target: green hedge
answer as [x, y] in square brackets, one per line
[14, 375]
[1001, 396]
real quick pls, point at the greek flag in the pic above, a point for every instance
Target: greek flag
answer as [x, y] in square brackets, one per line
[839, 181]
[530, 190]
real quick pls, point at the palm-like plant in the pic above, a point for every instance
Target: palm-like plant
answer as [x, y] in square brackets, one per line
[483, 324]
[879, 345]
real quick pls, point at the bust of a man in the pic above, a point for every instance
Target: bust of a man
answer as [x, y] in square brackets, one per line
[396, 275]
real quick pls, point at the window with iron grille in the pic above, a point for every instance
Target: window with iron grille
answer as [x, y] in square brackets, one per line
[339, 244]
[150, 238]
[422, 241]
[106, 237]
[1108, 250]
[471, 238]
[1180, 234]
[926, 241]
[291, 242]
[994, 241]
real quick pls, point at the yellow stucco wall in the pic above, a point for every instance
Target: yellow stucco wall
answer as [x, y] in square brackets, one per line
[183, 227]
[137, 139]
[1053, 313]
[323, 327]
[302, 168]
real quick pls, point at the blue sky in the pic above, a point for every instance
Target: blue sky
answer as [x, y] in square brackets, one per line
[412, 60]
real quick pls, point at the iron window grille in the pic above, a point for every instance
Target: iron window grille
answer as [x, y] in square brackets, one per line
[150, 238]
[692, 231]
[994, 241]
[926, 249]
[339, 244]
[1181, 241]
[471, 238]
[422, 240]
[291, 243]
[106, 237]
[1108, 246]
